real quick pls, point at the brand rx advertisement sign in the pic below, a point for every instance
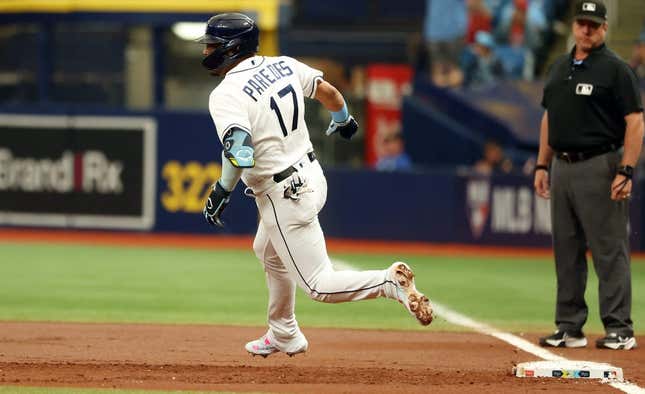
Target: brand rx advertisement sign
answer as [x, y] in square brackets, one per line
[78, 171]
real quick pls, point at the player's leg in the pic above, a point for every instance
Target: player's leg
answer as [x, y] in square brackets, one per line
[284, 333]
[298, 239]
[569, 246]
[606, 224]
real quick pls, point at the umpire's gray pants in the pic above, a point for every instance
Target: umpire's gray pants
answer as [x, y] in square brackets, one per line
[583, 215]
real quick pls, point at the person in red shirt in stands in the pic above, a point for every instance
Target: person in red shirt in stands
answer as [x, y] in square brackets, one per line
[479, 19]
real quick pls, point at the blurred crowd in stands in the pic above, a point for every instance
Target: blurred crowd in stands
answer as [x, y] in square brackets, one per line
[493, 160]
[391, 153]
[476, 42]
[637, 61]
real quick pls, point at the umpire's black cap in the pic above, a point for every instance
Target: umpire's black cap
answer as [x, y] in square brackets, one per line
[593, 10]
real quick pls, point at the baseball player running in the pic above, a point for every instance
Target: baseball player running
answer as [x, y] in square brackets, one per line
[258, 111]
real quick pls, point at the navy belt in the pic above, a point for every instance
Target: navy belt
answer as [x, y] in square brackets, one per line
[573, 157]
[282, 175]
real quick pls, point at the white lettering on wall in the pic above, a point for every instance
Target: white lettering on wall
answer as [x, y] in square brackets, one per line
[512, 210]
[35, 175]
[101, 175]
[28, 174]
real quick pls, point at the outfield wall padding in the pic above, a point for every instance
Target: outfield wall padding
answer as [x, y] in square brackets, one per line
[170, 166]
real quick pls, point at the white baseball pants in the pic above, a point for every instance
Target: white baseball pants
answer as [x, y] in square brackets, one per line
[291, 245]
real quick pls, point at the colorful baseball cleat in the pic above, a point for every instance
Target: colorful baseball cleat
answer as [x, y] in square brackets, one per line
[261, 347]
[616, 342]
[264, 347]
[570, 339]
[401, 275]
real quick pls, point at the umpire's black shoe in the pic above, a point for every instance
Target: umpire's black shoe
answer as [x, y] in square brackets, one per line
[565, 339]
[616, 342]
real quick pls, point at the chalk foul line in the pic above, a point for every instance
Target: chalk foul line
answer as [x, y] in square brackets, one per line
[459, 319]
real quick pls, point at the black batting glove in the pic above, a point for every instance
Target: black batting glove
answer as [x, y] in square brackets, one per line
[346, 129]
[217, 201]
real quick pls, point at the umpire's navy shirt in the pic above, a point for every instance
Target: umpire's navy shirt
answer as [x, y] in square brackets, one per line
[587, 101]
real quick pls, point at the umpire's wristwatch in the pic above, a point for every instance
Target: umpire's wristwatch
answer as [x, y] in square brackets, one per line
[626, 170]
[539, 167]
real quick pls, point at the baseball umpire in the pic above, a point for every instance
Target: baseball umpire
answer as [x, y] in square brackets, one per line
[258, 111]
[590, 140]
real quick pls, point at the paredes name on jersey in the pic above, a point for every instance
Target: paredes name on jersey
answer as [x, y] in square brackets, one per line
[265, 78]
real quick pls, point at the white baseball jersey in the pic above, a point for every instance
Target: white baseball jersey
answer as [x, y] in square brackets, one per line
[265, 96]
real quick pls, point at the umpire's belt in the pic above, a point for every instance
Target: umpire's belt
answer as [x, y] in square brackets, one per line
[573, 157]
[282, 175]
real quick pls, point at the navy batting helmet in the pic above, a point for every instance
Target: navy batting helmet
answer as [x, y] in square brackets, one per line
[238, 36]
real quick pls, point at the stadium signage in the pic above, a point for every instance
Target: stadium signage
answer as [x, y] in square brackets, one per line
[77, 171]
[518, 210]
[187, 186]
[86, 172]
[505, 209]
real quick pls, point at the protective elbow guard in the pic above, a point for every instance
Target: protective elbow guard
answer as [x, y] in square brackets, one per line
[238, 148]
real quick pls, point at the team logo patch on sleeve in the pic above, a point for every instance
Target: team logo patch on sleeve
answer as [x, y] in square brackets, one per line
[584, 89]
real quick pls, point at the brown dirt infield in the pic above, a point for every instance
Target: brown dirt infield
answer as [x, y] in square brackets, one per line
[205, 357]
[180, 357]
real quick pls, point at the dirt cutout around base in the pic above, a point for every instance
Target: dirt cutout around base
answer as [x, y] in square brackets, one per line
[203, 357]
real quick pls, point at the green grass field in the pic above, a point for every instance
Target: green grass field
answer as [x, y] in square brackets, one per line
[43, 282]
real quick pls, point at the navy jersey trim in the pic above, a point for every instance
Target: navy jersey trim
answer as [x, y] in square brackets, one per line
[314, 85]
[247, 69]
[232, 125]
[236, 125]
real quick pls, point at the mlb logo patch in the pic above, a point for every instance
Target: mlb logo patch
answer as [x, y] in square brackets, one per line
[584, 89]
[589, 7]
